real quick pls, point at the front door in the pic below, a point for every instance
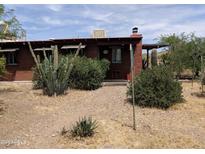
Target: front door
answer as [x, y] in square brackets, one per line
[114, 55]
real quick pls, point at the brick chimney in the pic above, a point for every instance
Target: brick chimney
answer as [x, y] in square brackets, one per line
[135, 32]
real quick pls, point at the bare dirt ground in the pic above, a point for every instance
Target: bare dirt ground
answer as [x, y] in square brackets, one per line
[30, 120]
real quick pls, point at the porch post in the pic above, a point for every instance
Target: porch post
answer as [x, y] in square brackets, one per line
[147, 58]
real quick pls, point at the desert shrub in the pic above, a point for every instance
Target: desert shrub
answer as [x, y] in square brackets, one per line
[156, 88]
[87, 73]
[2, 65]
[37, 82]
[63, 131]
[84, 127]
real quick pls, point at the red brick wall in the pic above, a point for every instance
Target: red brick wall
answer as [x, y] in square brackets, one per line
[138, 57]
[92, 51]
[25, 64]
[23, 71]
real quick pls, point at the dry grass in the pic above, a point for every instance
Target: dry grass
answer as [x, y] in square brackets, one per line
[2, 107]
[37, 120]
[9, 88]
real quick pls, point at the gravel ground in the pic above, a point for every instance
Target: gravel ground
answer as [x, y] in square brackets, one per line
[30, 120]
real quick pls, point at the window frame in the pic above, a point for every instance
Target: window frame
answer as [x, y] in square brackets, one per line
[11, 58]
[114, 55]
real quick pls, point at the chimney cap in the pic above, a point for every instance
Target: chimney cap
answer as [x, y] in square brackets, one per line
[135, 30]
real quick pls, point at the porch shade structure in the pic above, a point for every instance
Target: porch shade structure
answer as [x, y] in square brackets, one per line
[42, 49]
[72, 47]
[150, 47]
[9, 50]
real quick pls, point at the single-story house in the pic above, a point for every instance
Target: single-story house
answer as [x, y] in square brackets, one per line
[19, 61]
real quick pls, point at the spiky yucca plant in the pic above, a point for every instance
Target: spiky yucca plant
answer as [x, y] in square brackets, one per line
[84, 127]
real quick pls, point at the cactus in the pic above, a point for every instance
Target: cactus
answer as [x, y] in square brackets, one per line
[154, 58]
[54, 72]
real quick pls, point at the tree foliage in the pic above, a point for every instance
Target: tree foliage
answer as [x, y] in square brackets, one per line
[10, 27]
[184, 52]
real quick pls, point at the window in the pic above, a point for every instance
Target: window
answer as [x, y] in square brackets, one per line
[116, 55]
[10, 58]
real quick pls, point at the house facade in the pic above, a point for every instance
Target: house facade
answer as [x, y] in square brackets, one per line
[19, 61]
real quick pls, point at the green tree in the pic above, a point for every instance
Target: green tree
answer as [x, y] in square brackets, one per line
[10, 27]
[184, 52]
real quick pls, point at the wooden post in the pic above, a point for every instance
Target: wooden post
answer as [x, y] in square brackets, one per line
[72, 59]
[132, 76]
[147, 58]
[193, 71]
[55, 56]
[44, 53]
[202, 73]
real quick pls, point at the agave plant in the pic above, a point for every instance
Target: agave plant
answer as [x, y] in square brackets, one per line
[84, 127]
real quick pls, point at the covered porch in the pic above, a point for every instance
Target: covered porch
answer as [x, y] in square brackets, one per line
[148, 48]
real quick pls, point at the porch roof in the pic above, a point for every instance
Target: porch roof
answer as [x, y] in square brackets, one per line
[41, 49]
[74, 40]
[153, 46]
[9, 50]
[72, 46]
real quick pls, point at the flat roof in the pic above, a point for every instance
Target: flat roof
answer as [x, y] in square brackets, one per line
[84, 40]
[139, 36]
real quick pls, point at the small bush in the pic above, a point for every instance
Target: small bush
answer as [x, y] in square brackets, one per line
[63, 131]
[37, 82]
[156, 88]
[87, 73]
[84, 127]
[2, 65]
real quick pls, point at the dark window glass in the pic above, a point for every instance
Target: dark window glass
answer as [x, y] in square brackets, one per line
[11, 58]
[116, 55]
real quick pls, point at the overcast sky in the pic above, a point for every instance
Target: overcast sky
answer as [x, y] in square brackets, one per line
[68, 21]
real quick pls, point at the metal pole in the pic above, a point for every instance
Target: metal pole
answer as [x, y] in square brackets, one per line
[133, 92]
